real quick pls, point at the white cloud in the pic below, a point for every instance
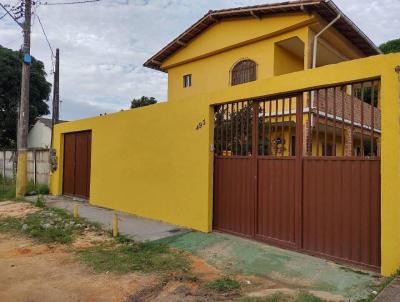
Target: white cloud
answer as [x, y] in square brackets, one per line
[103, 45]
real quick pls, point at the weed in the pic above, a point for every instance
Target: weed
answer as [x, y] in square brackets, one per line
[122, 239]
[307, 297]
[47, 228]
[277, 297]
[10, 224]
[128, 257]
[48, 225]
[7, 188]
[189, 276]
[280, 297]
[223, 285]
[43, 189]
[381, 287]
[37, 189]
[40, 202]
[349, 269]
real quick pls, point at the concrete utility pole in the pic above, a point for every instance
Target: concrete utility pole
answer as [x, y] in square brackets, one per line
[56, 96]
[56, 90]
[23, 121]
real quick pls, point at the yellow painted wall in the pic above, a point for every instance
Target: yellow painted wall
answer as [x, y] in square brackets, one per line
[149, 161]
[152, 162]
[233, 33]
[213, 73]
[285, 61]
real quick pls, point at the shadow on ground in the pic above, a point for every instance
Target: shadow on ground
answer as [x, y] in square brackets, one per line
[234, 255]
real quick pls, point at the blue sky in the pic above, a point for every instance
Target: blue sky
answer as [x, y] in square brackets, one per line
[103, 45]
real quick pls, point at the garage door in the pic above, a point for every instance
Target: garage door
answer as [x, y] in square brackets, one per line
[302, 172]
[77, 156]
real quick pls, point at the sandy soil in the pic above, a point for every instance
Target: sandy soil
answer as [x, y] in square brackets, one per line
[32, 272]
[16, 209]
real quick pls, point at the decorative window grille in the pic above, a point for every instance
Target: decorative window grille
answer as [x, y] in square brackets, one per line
[243, 72]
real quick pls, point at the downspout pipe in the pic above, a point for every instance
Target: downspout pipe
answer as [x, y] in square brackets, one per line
[314, 63]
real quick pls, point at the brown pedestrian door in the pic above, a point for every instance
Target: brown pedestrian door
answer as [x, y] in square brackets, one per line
[77, 156]
[303, 171]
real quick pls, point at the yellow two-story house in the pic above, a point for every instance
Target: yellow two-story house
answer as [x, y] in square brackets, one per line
[281, 125]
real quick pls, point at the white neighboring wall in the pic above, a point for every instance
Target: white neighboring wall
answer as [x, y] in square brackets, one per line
[39, 136]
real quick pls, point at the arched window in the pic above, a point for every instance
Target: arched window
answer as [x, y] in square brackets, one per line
[243, 72]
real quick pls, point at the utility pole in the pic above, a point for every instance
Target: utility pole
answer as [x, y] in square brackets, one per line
[56, 96]
[23, 121]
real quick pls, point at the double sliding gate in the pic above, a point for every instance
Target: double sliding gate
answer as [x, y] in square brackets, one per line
[303, 171]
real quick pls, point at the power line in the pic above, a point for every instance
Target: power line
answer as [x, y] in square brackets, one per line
[36, 5]
[8, 13]
[45, 35]
[69, 3]
[48, 42]
[3, 16]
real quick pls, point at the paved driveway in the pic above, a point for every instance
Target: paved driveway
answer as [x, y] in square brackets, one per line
[236, 255]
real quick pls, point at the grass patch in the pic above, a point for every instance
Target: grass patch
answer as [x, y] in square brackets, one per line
[7, 188]
[223, 285]
[10, 225]
[47, 226]
[280, 297]
[307, 297]
[128, 257]
[42, 189]
[40, 202]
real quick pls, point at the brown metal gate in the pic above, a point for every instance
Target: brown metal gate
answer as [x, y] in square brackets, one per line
[77, 156]
[303, 171]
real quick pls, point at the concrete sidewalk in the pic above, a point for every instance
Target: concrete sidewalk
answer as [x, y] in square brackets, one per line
[134, 227]
[391, 293]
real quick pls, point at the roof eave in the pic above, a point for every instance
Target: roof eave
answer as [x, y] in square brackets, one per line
[212, 17]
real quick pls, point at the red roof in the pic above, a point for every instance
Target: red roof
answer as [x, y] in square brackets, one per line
[325, 8]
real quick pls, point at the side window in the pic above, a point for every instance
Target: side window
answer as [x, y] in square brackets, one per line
[187, 81]
[243, 72]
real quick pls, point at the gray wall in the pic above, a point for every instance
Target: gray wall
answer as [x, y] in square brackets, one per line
[38, 165]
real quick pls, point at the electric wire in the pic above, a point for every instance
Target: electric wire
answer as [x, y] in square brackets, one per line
[69, 3]
[52, 56]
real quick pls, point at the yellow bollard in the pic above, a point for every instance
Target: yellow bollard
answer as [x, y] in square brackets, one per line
[115, 226]
[76, 211]
[22, 179]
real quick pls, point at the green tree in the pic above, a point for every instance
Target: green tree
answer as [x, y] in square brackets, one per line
[10, 89]
[390, 46]
[143, 101]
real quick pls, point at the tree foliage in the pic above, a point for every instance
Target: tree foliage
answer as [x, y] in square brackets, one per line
[143, 101]
[390, 46]
[10, 90]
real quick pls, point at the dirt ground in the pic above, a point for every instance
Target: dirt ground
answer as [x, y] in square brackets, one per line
[16, 209]
[32, 272]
